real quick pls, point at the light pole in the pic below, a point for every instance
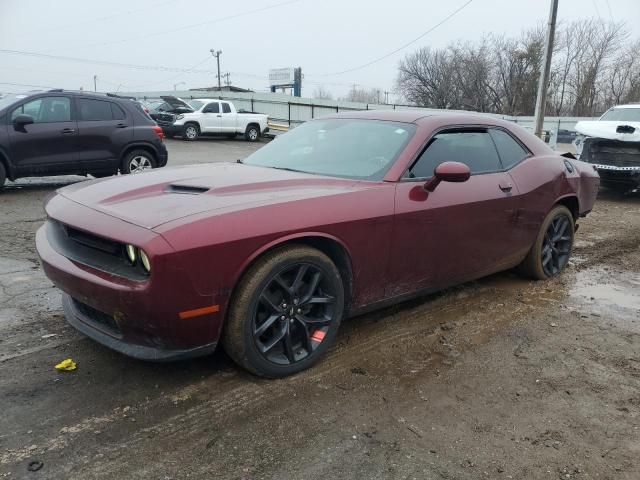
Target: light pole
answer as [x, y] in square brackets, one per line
[95, 83]
[175, 85]
[541, 100]
[216, 53]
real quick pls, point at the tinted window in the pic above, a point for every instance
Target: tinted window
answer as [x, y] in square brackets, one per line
[117, 112]
[226, 108]
[212, 108]
[622, 114]
[94, 110]
[474, 149]
[510, 151]
[46, 110]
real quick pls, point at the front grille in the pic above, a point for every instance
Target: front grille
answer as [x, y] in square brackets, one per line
[93, 241]
[97, 318]
[612, 152]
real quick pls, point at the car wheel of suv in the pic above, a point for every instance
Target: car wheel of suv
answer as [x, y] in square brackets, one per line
[552, 249]
[252, 134]
[285, 313]
[3, 176]
[191, 132]
[138, 161]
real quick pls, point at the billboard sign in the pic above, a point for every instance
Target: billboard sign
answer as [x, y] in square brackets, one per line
[281, 76]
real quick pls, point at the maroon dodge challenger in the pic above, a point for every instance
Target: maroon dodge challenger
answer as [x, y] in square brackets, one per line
[341, 215]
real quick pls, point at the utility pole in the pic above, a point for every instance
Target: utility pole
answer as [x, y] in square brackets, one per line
[175, 85]
[95, 83]
[227, 80]
[216, 53]
[386, 97]
[541, 100]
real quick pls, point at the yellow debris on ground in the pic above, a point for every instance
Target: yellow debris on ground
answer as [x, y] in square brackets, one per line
[66, 365]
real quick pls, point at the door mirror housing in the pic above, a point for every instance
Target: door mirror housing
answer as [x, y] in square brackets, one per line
[22, 120]
[448, 172]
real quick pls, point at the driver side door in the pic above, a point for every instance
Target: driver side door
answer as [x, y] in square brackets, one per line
[211, 118]
[460, 231]
[50, 144]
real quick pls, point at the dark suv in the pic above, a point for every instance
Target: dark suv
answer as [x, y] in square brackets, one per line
[62, 132]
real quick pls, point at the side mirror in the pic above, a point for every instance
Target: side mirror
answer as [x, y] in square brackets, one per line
[22, 120]
[448, 172]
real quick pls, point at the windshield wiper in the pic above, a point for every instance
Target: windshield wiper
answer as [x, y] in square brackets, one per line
[289, 169]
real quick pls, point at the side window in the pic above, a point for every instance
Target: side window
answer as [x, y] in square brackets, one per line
[117, 112]
[226, 108]
[93, 110]
[46, 110]
[510, 151]
[473, 148]
[212, 108]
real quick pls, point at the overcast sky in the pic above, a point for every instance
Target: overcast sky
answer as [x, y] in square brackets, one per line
[322, 37]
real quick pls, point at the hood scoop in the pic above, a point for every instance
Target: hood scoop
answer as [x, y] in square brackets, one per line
[186, 189]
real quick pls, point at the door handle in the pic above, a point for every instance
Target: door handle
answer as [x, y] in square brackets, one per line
[68, 130]
[505, 186]
[121, 125]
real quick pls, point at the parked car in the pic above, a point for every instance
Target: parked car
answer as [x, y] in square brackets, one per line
[218, 117]
[612, 144]
[338, 216]
[165, 112]
[565, 136]
[61, 132]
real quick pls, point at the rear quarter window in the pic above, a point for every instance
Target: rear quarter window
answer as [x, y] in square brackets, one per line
[510, 151]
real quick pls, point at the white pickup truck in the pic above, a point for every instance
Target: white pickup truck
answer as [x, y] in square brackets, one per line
[216, 117]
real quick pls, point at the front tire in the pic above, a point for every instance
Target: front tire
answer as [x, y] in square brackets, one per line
[285, 312]
[252, 134]
[551, 251]
[138, 161]
[191, 132]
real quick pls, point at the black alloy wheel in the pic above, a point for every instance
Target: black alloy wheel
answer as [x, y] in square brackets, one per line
[556, 246]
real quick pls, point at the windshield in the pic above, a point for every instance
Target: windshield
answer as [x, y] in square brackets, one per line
[10, 99]
[363, 149]
[622, 114]
[195, 104]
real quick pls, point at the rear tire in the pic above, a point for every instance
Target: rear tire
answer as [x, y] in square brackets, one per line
[551, 251]
[137, 161]
[252, 134]
[191, 132]
[285, 312]
[3, 176]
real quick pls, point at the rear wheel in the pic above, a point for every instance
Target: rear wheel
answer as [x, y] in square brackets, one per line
[191, 132]
[138, 161]
[285, 312]
[3, 175]
[252, 134]
[551, 251]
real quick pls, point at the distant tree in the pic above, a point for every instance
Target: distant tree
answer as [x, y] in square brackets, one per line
[322, 93]
[594, 67]
[361, 95]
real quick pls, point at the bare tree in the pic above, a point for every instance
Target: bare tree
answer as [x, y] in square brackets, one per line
[322, 93]
[361, 95]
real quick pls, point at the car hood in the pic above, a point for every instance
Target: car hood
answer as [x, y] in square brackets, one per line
[177, 103]
[610, 129]
[155, 198]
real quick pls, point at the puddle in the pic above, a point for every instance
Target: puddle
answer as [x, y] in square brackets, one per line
[609, 290]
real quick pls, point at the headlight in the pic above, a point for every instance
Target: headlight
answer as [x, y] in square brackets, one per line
[145, 261]
[179, 117]
[131, 253]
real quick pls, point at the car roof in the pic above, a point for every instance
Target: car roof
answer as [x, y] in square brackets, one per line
[425, 117]
[629, 105]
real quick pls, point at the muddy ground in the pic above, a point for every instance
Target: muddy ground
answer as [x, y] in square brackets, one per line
[499, 378]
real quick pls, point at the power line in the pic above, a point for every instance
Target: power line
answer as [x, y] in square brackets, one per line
[109, 17]
[105, 63]
[184, 27]
[451, 15]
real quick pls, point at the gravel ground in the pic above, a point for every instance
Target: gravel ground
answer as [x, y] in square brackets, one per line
[499, 378]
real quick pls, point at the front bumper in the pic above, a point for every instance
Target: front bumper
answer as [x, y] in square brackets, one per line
[138, 318]
[91, 327]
